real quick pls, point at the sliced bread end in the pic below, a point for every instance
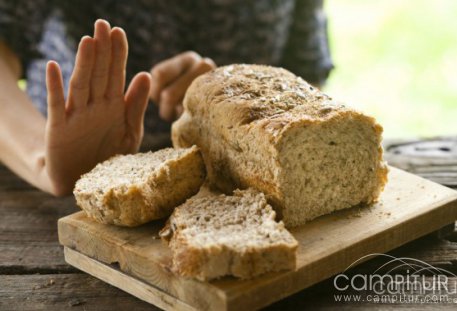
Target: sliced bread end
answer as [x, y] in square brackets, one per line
[130, 190]
[211, 237]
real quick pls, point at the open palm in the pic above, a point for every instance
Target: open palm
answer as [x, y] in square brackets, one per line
[97, 120]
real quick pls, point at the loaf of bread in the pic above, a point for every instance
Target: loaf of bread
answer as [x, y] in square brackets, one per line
[130, 190]
[263, 127]
[216, 235]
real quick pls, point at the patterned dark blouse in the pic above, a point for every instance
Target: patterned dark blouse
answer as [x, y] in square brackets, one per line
[288, 33]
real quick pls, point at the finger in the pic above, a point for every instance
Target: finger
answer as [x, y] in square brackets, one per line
[101, 68]
[166, 109]
[78, 93]
[119, 51]
[178, 110]
[209, 62]
[168, 70]
[173, 94]
[136, 99]
[56, 98]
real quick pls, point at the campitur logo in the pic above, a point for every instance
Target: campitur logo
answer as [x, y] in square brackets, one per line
[397, 280]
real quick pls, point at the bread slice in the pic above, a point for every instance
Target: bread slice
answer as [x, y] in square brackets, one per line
[216, 235]
[263, 127]
[130, 190]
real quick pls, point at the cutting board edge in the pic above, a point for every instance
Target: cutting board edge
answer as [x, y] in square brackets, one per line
[68, 224]
[125, 282]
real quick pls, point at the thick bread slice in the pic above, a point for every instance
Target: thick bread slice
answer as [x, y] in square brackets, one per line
[217, 235]
[130, 190]
[263, 127]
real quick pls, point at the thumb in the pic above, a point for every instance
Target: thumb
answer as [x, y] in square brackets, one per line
[136, 100]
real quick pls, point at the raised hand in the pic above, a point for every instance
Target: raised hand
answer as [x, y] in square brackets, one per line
[97, 120]
[172, 77]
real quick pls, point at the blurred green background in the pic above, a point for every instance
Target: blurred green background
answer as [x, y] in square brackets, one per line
[397, 60]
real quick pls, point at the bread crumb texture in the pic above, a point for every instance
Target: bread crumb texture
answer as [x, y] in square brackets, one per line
[221, 235]
[263, 127]
[130, 190]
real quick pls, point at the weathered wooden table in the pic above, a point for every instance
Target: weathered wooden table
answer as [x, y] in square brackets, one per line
[34, 275]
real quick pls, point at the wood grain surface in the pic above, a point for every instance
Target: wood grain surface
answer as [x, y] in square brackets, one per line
[433, 158]
[28, 236]
[409, 207]
[76, 291]
[28, 229]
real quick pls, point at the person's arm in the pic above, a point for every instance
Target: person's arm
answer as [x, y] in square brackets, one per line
[22, 127]
[96, 121]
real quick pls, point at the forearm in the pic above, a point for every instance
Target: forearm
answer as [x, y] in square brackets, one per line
[22, 129]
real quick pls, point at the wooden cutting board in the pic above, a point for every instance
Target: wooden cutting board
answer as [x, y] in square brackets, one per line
[135, 259]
